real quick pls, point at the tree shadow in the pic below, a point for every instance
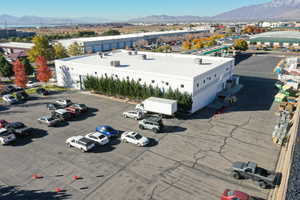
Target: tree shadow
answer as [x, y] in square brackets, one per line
[35, 134]
[16, 193]
[3, 108]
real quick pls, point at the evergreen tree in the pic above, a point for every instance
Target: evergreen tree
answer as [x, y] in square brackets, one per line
[28, 67]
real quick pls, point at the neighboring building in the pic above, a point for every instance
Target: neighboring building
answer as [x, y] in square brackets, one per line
[7, 33]
[108, 43]
[201, 76]
[15, 47]
[278, 39]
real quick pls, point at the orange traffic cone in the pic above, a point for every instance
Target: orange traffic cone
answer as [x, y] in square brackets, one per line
[58, 189]
[75, 178]
[35, 176]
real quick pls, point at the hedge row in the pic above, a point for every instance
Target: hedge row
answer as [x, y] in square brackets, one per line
[136, 91]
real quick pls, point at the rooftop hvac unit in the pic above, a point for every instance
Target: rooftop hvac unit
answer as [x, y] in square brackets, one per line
[143, 56]
[199, 61]
[115, 63]
[135, 53]
[100, 55]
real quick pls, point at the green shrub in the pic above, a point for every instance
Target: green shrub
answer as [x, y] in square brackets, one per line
[135, 91]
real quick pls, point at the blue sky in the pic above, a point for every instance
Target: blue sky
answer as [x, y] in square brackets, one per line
[120, 9]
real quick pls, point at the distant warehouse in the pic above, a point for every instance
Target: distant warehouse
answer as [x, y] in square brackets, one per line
[277, 39]
[202, 77]
[107, 43]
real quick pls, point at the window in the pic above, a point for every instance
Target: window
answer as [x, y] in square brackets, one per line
[105, 74]
[197, 84]
[116, 76]
[127, 77]
[95, 73]
[182, 86]
[167, 83]
[203, 81]
[215, 75]
[140, 79]
[153, 81]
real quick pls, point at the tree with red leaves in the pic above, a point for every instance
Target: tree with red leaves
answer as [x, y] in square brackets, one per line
[20, 74]
[43, 71]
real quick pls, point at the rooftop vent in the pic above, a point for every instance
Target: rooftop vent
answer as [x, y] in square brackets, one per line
[135, 53]
[100, 55]
[129, 53]
[115, 63]
[143, 56]
[199, 61]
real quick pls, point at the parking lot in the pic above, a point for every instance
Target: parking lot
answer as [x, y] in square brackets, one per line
[190, 161]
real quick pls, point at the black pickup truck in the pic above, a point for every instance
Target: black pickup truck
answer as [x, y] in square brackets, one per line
[19, 128]
[264, 178]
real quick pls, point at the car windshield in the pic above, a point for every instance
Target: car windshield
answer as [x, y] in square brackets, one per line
[101, 136]
[138, 136]
[109, 129]
[11, 97]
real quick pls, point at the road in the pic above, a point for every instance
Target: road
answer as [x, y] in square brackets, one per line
[191, 160]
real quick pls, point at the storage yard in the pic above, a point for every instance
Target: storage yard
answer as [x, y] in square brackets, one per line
[191, 159]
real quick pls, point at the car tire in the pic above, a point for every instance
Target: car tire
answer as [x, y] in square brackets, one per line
[262, 184]
[135, 118]
[155, 130]
[124, 141]
[82, 150]
[141, 127]
[125, 116]
[139, 145]
[236, 175]
[69, 145]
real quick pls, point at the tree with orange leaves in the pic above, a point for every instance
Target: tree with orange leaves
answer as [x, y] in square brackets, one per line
[186, 45]
[43, 71]
[20, 74]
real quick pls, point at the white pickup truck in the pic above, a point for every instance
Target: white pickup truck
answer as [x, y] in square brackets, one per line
[159, 106]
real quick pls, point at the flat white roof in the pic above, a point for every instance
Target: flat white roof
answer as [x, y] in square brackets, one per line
[176, 65]
[21, 45]
[124, 36]
[278, 34]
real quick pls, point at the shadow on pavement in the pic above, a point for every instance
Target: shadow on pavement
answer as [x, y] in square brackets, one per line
[35, 133]
[16, 193]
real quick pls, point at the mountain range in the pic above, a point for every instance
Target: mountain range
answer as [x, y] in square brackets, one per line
[273, 10]
[34, 20]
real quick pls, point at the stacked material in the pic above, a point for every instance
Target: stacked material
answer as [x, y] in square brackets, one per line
[280, 133]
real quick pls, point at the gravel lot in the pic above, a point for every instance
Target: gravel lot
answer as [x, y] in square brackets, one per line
[189, 161]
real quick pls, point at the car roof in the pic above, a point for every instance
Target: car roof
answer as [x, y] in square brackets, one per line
[104, 127]
[97, 134]
[61, 111]
[2, 130]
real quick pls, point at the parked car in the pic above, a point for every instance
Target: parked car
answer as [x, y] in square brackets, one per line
[3, 123]
[6, 136]
[22, 95]
[19, 128]
[98, 137]
[73, 111]
[235, 195]
[152, 123]
[8, 89]
[62, 114]
[134, 114]
[54, 106]
[81, 107]
[32, 84]
[64, 102]
[108, 131]
[250, 170]
[81, 143]
[42, 91]
[49, 120]
[10, 99]
[134, 138]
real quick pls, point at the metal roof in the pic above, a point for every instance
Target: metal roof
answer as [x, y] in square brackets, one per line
[277, 36]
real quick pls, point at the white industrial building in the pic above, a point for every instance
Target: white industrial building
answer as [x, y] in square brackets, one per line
[107, 43]
[201, 76]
